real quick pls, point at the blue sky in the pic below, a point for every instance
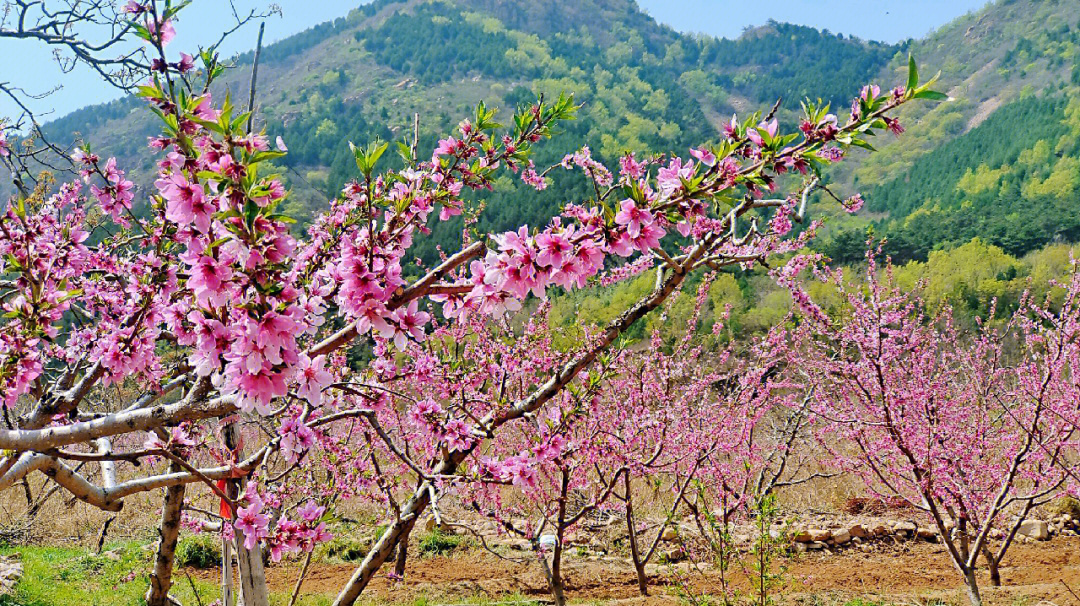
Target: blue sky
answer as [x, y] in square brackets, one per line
[886, 20]
[882, 20]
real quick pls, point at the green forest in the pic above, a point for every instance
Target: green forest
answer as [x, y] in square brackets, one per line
[961, 179]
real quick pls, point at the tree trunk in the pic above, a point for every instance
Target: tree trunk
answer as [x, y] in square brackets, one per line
[384, 547]
[249, 562]
[992, 563]
[253, 591]
[972, 587]
[635, 552]
[397, 531]
[555, 574]
[554, 581]
[103, 533]
[402, 555]
[161, 577]
[226, 571]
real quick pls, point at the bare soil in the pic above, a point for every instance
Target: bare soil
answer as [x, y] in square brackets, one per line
[906, 572]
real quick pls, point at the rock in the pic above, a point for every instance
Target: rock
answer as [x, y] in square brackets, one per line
[112, 554]
[820, 534]
[816, 545]
[800, 547]
[521, 545]
[10, 572]
[905, 528]
[429, 524]
[926, 533]
[674, 555]
[841, 537]
[857, 531]
[1036, 529]
[880, 530]
[801, 536]
[670, 534]
[856, 541]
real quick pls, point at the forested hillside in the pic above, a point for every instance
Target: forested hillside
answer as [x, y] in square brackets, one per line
[959, 173]
[642, 85]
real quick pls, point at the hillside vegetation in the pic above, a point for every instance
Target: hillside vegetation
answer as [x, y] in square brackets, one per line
[960, 172]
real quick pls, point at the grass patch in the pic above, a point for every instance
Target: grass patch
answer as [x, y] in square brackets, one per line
[346, 549]
[199, 551]
[58, 576]
[53, 576]
[437, 542]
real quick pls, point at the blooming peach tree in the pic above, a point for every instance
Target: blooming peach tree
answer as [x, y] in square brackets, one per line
[974, 430]
[189, 337]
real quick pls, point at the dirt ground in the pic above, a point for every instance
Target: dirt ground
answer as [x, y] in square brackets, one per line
[913, 572]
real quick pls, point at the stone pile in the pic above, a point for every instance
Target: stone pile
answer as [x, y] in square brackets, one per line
[859, 535]
[821, 533]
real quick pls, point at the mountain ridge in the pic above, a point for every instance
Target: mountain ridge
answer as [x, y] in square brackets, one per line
[643, 86]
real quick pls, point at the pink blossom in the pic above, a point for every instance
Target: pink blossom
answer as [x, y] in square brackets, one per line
[185, 202]
[704, 155]
[632, 217]
[854, 203]
[313, 378]
[409, 323]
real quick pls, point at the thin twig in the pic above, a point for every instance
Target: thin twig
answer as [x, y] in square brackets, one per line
[195, 591]
[254, 76]
[300, 581]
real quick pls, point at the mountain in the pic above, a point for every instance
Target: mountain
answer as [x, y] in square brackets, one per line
[644, 86]
[1001, 159]
[998, 160]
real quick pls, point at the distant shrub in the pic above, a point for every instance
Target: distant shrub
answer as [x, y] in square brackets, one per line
[1067, 505]
[438, 542]
[199, 551]
[874, 506]
[346, 549]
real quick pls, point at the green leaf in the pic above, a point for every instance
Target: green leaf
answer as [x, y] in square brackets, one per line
[235, 126]
[863, 144]
[913, 73]
[376, 153]
[218, 242]
[932, 95]
[213, 126]
[267, 155]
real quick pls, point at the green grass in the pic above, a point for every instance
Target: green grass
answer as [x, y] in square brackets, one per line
[53, 576]
[56, 576]
[437, 543]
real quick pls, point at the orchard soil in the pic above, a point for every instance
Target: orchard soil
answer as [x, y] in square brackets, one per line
[914, 572]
